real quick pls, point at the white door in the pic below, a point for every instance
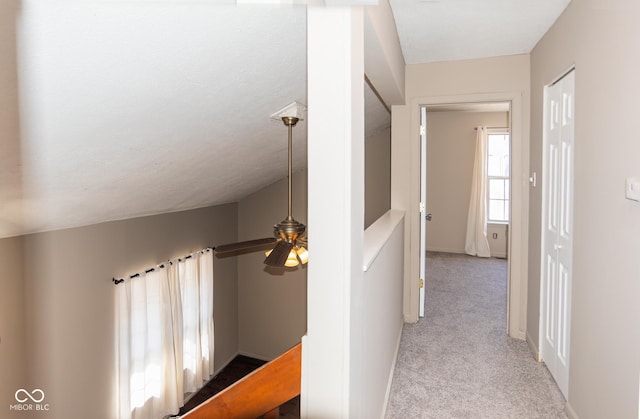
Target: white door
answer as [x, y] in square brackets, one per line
[557, 229]
[423, 208]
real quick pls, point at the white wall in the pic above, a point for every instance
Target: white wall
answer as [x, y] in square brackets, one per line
[335, 68]
[451, 146]
[601, 39]
[69, 300]
[377, 338]
[338, 40]
[492, 79]
[272, 303]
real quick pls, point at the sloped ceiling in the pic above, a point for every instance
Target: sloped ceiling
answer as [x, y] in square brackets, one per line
[115, 109]
[134, 108]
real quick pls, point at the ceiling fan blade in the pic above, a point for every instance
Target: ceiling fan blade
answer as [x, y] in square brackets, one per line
[231, 247]
[279, 254]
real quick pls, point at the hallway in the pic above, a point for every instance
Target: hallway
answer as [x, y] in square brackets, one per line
[458, 362]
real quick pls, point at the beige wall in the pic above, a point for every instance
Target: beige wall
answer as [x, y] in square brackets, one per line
[272, 303]
[601, 39]
[450, 155]
[69, 299]
[12, 325]
[383, 60]
[478, 80]
[377, 175]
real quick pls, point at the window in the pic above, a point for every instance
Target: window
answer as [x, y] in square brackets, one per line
[498, 177]
[165, 336]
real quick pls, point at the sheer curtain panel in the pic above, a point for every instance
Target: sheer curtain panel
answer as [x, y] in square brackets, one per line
[476, 243]
[197, 300]
[164, 336]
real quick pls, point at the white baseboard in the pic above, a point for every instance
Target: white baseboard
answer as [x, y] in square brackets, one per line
[570, 412]
[534, 351]
[387, 393]
[519, 334]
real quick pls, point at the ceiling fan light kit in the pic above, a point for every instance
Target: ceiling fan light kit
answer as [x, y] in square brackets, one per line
[289, 249]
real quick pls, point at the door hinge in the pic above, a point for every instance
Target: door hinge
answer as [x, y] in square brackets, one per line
[421, 283]
[423, 130]
[422, 207]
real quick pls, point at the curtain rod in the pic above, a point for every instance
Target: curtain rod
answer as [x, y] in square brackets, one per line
[476, 128]
[117, 281]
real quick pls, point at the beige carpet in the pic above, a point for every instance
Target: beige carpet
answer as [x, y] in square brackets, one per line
[458, 362]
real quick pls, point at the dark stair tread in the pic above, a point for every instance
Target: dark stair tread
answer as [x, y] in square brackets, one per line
[239, 367]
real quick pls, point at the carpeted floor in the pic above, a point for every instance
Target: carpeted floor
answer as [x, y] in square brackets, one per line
[458, 362]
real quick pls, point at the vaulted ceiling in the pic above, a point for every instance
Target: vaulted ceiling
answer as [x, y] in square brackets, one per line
[117, 109]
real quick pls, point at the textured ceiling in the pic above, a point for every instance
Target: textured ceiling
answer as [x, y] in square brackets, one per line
[130, 108]
[444, 30]
[135, 108]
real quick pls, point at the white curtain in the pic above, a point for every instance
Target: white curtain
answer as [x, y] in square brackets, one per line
[165, 336]
[197, 298]
[476, 243]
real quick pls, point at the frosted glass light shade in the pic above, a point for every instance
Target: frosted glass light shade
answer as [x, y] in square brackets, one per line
[292, 259]
[303, 254]
[298, 254]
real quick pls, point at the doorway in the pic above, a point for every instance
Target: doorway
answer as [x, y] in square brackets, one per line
[448, 150]
[517, 232]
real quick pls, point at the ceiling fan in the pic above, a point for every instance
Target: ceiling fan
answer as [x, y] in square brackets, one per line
[290, 243]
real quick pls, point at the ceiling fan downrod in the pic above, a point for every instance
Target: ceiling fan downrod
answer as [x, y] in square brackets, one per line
[289, 229]
[290, 242]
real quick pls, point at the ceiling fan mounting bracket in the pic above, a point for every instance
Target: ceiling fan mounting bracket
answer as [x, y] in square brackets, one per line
[290, 121]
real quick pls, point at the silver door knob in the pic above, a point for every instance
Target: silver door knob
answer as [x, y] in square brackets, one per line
[428, 216]
[557, 246]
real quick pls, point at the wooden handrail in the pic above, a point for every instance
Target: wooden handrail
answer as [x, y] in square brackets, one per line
[260, 392]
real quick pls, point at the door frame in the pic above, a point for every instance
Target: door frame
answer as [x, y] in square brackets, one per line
[423, 210]
[517, 264]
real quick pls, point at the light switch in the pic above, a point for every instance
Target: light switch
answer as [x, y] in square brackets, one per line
[633, 188]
